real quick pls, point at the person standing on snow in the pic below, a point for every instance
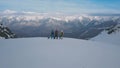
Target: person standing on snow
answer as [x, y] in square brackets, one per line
[61, 34]
[51, 35]
[56, 34]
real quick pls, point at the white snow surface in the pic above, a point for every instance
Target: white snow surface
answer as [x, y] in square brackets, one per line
[113, 38]
[66, 53]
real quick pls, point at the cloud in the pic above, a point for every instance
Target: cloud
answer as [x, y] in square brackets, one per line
[9, 11]
[61, 6]
[29, 13]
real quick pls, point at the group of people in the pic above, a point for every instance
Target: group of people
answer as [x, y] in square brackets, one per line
[56, 34]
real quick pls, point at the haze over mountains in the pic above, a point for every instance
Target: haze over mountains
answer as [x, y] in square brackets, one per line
[31, 24]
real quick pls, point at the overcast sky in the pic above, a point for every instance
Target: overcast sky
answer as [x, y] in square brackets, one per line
[62, 6]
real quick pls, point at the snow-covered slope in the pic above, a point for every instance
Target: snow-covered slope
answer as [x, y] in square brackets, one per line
[66, 53]
[111, 35]
[113, 38]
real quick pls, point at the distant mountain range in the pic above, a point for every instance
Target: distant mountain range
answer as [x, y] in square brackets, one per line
[75, 26]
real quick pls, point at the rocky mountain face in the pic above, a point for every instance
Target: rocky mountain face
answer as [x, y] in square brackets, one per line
[113, 29]
[6, 33]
